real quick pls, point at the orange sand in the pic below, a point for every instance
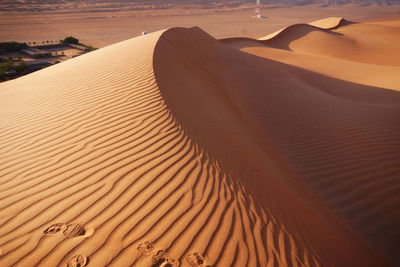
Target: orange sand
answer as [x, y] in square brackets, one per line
[215, 147]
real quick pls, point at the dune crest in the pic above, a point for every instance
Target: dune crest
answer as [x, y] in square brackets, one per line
[330, 23]
[174, 148]
[364, 53]
[323, 24]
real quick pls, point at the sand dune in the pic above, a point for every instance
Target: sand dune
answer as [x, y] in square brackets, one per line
[355, 52]
[323, 24]
[177, 148]
[330, 23]
[337, 37]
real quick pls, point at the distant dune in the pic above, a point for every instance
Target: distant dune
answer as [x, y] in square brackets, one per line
[177, 148]
[323, 24]
[365, 53]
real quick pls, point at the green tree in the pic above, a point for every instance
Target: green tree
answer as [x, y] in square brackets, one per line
[71, 40]
[2, 74]
[21, 66]
[7, 65]
[12, 46]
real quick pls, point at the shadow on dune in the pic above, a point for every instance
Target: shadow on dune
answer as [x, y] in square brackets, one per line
[282, 38]
[292, 33]
[267, 122]
[344, 22]
[332, 23]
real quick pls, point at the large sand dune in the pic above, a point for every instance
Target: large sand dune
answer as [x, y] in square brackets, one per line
[364, 53]
[188, 143]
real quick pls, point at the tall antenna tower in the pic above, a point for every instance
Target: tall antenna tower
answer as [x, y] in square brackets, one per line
[258, 9]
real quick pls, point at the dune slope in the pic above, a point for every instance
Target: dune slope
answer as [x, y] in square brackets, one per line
[174, 143]
[372, 43]
[92, 142]
[364, 53]
[306, 116]
[342, 151]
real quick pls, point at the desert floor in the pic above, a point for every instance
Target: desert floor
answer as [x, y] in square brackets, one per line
[104, 28]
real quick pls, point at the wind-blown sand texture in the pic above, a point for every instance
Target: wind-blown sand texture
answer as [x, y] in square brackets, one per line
[178, 147]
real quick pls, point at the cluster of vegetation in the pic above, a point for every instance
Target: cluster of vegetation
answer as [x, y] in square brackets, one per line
[20, 67]
[91, 48]
[70, 40]
[73, 40]
[9, 65]
[12, 46]
[3, 59]
[43, 42]
[37, 56]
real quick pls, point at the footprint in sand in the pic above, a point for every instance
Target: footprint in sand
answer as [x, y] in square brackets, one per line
[54, 228]
[163, 259]
[73, 230]
[146, 248]
[195, 259]
[78, 261]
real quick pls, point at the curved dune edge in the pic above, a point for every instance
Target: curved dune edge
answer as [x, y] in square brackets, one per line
[128, 146]
[199, 57]
[358, 53]
[323, 24]
[367, 74]
[330, 23]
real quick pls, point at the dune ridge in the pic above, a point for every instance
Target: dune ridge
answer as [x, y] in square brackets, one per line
[323, 24]
[243, 86]
[366, 215]
[177, 142]
[364, 53]
[110, 156]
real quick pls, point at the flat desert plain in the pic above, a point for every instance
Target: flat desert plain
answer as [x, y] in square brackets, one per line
[101, 27]
[236, 142]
